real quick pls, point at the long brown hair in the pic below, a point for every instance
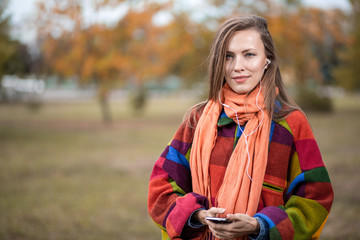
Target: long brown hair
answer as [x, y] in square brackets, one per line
[271, 80]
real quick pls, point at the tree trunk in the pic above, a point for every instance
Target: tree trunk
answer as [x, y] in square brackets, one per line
[105, 109]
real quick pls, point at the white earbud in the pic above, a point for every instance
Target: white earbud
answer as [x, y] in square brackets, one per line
[268, 62]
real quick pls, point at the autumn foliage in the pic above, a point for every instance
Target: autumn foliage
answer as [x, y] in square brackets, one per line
[310, 42]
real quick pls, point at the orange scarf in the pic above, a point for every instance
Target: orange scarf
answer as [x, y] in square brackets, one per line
[237, 194]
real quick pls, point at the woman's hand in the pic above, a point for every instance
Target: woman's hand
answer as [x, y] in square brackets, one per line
[202, 214]
[241, 224]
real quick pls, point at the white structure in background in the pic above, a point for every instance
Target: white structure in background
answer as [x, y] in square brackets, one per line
[25, 89]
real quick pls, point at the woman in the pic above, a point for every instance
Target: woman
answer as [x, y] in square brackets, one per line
[246, 154]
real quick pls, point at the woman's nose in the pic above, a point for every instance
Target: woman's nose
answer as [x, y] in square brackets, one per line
[239, 64]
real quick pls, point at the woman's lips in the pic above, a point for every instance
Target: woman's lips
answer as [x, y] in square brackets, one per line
[240, 79]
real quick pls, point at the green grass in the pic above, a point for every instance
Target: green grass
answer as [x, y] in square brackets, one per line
[65, 175]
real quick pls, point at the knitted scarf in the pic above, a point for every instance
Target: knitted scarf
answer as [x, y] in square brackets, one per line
[238, 193]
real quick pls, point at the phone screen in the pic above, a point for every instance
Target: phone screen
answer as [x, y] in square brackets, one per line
[218, 220]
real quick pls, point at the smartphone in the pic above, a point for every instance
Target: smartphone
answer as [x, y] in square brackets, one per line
[218, 220]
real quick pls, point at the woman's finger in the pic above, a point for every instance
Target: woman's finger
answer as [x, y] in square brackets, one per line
[215, 211]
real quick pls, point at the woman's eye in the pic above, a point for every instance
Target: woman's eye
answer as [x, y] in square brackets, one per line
[250, 54]
[229, 56]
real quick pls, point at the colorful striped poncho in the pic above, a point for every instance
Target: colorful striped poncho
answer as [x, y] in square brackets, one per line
[296, 197]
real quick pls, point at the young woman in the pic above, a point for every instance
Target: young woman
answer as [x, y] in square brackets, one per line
[247, 154]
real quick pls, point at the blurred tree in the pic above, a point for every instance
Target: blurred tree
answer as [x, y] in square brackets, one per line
[70, 49]
[296, 3]
[293, 63]
[195, 40]
[306, 42]
[347, 74]
[7, 49]
[136, 49]
[14, 56]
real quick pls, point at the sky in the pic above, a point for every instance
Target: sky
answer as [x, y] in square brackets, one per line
[21, 10]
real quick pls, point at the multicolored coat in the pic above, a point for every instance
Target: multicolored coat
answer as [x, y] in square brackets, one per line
[296, 197]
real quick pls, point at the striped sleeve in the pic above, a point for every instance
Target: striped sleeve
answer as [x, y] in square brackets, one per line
[309, 194]
[170, 198]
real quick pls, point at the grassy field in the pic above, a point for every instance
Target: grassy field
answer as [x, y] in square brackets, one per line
[64, 175]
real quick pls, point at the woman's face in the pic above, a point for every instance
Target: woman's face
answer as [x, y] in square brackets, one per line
[245, 61]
